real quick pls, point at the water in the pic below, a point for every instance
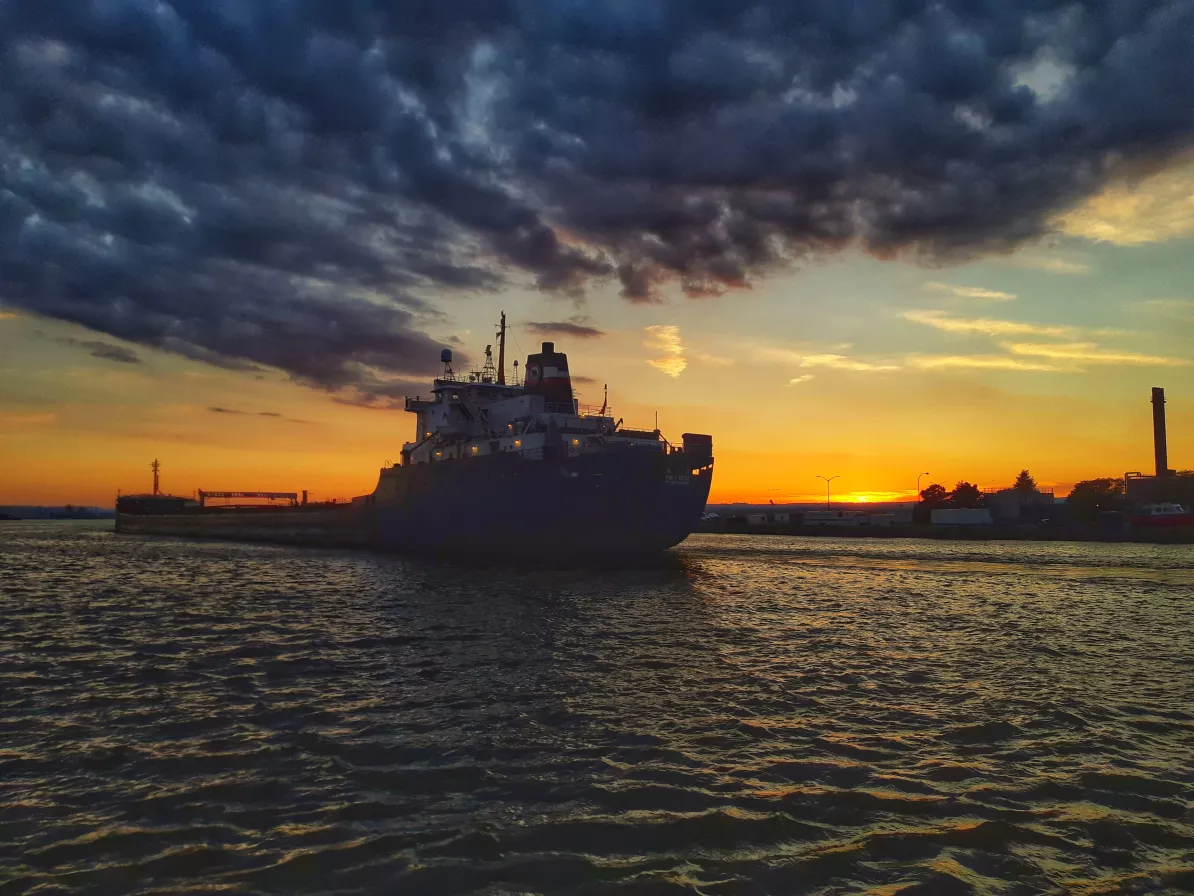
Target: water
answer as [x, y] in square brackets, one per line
[755, 715]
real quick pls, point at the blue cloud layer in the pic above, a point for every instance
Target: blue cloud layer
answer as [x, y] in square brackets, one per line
[287, 182]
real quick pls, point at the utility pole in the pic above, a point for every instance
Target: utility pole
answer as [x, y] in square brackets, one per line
[155, 466]
[827, 481]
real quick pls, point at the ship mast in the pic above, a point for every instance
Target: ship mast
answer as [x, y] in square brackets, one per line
[501, 371]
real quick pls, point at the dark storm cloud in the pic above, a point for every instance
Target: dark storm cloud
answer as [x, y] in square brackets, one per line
[289, 184]
[105, 351]
[576, 327]
[382, 396]
[271, 414]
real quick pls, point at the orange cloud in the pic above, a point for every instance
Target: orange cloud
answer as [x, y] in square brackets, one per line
[1051, 264]
[1127, 213]
[986, 326]
[978, 362]
[1091, 353]
[665, 339]
[971, 292]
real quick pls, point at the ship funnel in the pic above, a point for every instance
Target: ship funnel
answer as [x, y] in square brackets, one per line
[546, 374]
[1160, 448]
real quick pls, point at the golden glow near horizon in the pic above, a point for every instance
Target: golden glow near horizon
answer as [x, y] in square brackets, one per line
[869, 370]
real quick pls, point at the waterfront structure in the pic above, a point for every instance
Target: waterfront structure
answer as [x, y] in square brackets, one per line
[836, 518]
[1013, 505]
[961, 516]
[1141, 488]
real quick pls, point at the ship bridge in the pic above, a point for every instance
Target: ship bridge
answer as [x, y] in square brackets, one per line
[481, 414]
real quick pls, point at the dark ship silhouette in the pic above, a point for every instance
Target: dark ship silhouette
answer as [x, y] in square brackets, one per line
[496, 468]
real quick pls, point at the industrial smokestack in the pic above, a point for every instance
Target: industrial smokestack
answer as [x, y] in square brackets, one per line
[1160, 449]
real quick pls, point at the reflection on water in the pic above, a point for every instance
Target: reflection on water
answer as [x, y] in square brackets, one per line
[766, 715]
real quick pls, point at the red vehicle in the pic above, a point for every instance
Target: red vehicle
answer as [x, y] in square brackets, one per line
[1163, 515]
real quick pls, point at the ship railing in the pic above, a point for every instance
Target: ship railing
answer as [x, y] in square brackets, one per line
[583, 410]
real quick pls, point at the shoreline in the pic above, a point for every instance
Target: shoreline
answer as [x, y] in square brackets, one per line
[1182, 535]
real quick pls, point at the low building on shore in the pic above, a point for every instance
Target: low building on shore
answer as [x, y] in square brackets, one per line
[769, 518]
[1012, 506]
[962, 516]
[836, 518]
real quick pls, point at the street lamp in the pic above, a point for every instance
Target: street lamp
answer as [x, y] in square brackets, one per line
[827, 481]
[918, 475]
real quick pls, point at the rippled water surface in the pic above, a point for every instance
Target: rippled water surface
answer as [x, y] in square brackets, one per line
[754, 715]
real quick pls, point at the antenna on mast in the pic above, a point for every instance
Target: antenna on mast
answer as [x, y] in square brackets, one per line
[155, 466]
[501, 370]
[488, 374]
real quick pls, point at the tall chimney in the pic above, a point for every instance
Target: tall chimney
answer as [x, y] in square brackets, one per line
[1159, 447]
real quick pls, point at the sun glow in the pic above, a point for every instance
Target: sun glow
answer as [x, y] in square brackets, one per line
[874, 497]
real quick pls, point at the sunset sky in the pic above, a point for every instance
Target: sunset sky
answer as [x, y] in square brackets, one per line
[245, 290]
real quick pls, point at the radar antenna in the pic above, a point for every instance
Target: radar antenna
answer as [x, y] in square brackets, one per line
[488, 373]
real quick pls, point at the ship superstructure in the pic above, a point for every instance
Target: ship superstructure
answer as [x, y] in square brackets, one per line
[480, 414]
[498, 468]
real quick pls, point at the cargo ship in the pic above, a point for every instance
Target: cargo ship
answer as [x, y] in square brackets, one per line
[496, 469]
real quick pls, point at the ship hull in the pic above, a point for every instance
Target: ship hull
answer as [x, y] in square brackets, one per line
[586, 506]
[610, 505]
[334, 527]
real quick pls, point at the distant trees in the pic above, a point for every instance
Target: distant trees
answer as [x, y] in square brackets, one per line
[1092, 497]
[935, 495]
[966, 495]
[1024, 482]
[932, 497]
